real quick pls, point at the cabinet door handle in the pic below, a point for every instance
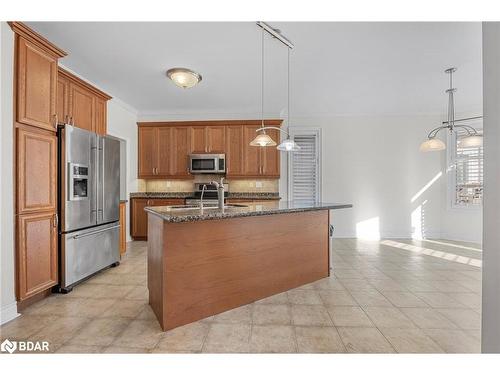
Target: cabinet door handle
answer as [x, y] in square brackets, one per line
[66, 119]
[56, 120]
[56, 221]
[71, 122]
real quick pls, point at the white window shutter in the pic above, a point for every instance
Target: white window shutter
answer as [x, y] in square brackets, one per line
[304, 168]
[468, 165]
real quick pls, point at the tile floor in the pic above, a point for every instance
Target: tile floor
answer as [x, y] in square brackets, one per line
[385, 296]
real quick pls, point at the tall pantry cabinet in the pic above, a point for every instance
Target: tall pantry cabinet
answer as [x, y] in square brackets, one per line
[35, 125]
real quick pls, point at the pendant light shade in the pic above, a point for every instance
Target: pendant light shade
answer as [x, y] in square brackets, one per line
[432, 144]
[288, 145]
[263, 140]
[183, 77]
[472, 141]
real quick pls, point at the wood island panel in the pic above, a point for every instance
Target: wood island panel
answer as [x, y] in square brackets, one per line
[202, 268]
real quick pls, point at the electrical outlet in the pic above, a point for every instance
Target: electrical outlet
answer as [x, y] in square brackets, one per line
[258, 184]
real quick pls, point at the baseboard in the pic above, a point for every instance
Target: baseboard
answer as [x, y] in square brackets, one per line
[9, 312]
[446, 236]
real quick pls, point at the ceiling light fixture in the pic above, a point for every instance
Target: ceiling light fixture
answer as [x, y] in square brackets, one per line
[472, 139]
[262, 139]
[183, 77]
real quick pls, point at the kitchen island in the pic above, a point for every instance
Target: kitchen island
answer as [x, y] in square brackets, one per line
[204, 262]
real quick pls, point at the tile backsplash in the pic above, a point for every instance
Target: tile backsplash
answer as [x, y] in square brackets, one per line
[235, 186]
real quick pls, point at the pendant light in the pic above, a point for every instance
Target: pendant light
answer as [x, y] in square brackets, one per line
[262, 139]
[472, 139]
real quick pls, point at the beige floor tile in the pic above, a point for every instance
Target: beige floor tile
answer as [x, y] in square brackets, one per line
[272, 339]
[343, 273]
[454, 341]
[304, 297]
[240, 315]
[404, 299]
[387, 285]
[24, 326]
[451, 287]
[277, 299]
[124, 350]
[115, 291]
[370, 298]
[357, 284]
[427, 318]
[388, 317]
[140, 293]
[337, 298]
[146, 314]
[464, 318]
[125, 309]
[318, 340]
[471, 300]
[349, 316]
[439, 300]
[228, 338]
[310, 315]
[79, 349]
[328, 283]
[309, 286]
[364, 340]
[140, 334]
[60, 330]
[474, 333]
[271, 314]
[100, 332]
[188, 338]
[410, 340]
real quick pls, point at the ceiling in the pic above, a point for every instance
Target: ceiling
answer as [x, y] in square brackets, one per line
[336, 68]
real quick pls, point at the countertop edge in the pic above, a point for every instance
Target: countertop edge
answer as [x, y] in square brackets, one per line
[232, 215]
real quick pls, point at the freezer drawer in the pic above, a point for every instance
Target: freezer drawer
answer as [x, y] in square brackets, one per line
[88, 251]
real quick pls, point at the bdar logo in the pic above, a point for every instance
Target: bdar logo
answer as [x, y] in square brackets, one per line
[8, 346]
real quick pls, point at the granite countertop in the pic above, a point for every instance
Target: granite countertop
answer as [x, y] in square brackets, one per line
[173, 195]
[173, 215]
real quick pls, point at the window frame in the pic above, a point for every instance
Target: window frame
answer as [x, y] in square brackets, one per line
[451, 154]
[305, 130]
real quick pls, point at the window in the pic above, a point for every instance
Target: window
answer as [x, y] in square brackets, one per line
[465, 171]
[304, 165]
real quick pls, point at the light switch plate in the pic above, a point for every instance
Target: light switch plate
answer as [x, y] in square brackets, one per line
[258, 184]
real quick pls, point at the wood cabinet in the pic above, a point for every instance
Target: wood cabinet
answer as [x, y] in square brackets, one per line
[164, 148]
[234, 151]
[36, 253]
[36, 69]
[36, 170]
[35, 122]
[139, 217]
[163, 152]
[81, 104]
[123, 227]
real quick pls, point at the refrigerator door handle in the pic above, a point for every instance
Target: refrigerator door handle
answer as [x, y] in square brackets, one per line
[100, 179]
[77, 236]
[94, 163]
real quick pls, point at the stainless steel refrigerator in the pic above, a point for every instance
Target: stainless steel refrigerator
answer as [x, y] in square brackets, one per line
[89, 200]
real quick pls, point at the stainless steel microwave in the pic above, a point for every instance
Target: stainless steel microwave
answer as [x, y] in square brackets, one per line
[207, 163]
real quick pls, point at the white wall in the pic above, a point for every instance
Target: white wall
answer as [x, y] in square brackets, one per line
[491, 241]
[122, 122]
[8, 307]
[374, 163]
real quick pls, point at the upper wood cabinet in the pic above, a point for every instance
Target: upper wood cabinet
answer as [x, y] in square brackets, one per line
[148, 151]
[234, 151]
[36, 170]
[36, 68]
[80, 104]
[37, 253]
[164, 148]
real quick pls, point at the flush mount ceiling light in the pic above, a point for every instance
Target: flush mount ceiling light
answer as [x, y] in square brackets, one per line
[262, 139]
[472, 139]
[184, 77]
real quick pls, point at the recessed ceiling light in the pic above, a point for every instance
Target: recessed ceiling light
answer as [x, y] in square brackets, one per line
[183, 77]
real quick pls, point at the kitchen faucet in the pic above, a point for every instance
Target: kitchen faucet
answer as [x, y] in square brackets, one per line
[202, 192]
[220, 191]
